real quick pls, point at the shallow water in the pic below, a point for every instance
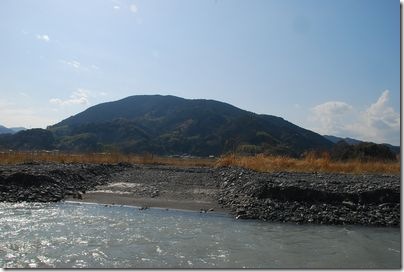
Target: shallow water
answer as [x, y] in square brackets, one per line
[68, 235]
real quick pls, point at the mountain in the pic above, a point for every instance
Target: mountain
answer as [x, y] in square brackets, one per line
[173, 125]
[17, 129]
[32, 139]
[350, 141]
[395, 149]
[4, 130]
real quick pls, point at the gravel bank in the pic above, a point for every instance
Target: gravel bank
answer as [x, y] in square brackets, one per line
[311, 197]
[283, 197]
[52, 182]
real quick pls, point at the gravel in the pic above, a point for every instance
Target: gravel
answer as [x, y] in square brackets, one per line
[311, 197]
[316, 198]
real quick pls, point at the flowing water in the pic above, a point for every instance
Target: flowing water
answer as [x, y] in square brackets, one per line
[69, 235]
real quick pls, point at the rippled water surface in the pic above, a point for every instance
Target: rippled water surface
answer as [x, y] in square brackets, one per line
[70, 235]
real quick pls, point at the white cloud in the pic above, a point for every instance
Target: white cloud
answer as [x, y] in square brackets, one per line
[380, 112]
[79, 66]
[79, 97]
[133, 8]
[378, 122]
[329, 116]
[72, 63]
[332, 108]
[116, 7]
[44, 38]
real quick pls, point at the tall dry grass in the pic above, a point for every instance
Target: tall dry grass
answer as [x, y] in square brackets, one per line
[310, 163]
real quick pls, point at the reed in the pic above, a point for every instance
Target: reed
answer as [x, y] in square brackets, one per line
[310, 163]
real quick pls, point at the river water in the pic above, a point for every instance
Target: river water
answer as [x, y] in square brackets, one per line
[71, 235]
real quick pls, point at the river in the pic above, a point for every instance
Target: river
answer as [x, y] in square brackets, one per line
[72, 235]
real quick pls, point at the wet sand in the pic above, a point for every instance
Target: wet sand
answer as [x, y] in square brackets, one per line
[121, 199]
[193, 189]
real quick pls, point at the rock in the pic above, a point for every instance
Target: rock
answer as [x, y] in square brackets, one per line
[349, 204]
[383, 205]
[240, 210]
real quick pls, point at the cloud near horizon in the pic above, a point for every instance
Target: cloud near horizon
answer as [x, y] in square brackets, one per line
[79, 97]
[29, 117]
[377, 123]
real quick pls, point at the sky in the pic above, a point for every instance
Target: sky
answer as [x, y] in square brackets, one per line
[329, 66]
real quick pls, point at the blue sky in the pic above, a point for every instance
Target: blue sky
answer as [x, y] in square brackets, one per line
[329, 66]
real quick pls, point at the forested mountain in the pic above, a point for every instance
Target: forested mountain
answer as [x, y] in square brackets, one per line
[174, 125]
[169, 125]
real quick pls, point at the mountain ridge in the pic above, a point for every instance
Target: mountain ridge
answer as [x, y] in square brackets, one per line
[335, 139]
[169, 124]
[12, 130]
[5, 130]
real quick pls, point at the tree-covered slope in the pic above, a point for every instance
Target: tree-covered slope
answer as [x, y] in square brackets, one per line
[173, 125]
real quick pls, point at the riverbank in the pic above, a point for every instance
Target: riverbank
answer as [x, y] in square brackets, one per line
[280, 197]
[317, 198]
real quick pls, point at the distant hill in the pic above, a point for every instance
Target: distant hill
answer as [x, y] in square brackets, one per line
[350, 141]
[4, 130]
[173, 125]
[17, 129]
[395, 149]
[32, 139]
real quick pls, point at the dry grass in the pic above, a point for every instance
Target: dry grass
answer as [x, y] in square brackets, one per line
[262, 163]
[310, 163]
[106, 158]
